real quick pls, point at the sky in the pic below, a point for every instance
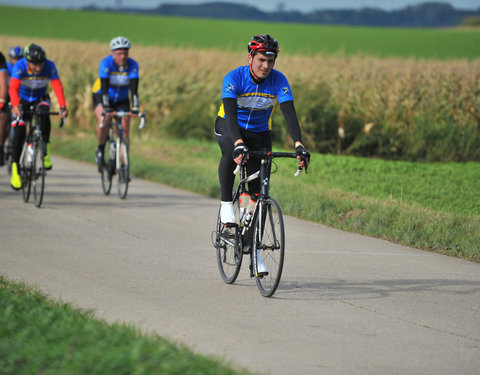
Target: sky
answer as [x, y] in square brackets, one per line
[300, 5]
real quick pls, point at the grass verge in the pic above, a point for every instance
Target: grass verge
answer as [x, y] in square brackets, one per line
[428, 206]
[40, 336]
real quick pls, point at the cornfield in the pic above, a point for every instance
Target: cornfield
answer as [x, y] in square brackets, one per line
[408, 109]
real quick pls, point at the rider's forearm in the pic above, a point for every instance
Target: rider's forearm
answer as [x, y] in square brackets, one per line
[104, 91]
[58, 90]
[14, 90]
[288, 110]
[134, 93]
[230, 107]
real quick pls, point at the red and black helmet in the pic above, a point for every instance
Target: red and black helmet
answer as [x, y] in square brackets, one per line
[264, 44]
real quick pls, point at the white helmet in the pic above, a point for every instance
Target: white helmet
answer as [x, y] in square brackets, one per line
[120, 42]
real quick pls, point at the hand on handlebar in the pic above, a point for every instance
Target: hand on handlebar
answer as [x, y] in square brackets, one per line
[303, 157]
[134, 112]
[64, 112]
[240, 152]
[16, 111]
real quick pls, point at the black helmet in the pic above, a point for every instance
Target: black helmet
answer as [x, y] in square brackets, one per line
[34, 53]
[15, 52]
[263, 43]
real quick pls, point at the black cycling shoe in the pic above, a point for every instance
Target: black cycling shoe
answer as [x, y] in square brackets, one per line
[99, 159]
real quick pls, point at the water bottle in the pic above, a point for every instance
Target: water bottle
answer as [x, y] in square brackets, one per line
[244, 199]
[29, 154]
[250, 209]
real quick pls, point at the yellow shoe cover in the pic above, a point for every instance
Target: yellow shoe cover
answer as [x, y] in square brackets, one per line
[15, 181]
[47, 163]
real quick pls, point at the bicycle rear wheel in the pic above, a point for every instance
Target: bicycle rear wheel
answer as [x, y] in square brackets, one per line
[123, 165]
[38, 173]
[106, 171]
[269, 247]
[229, 252]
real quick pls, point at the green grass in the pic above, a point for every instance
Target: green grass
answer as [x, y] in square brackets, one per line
[233, 35]
[428, 206]
[41, 336]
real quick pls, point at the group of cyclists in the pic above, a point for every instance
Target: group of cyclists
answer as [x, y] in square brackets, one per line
[244, 120]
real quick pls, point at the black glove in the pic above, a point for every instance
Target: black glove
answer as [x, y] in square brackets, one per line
[108, 110]
[304, 155]
[239, 149]
[135, 111]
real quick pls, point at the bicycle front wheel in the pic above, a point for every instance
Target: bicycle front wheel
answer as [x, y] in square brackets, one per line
[106, 172]
[25, 175]
[269, 247]
[229, 252]
[38, 173]
[123, 168]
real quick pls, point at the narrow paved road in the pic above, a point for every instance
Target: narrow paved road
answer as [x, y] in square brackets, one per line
[347, 304]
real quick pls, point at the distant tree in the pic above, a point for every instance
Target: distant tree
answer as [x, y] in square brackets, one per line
[471, 21]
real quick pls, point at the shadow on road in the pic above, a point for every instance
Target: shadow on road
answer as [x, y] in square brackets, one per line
[341, 290]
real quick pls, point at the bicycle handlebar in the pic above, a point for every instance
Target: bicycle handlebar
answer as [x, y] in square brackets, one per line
[121, 114]
[37, 112]
[269, 155]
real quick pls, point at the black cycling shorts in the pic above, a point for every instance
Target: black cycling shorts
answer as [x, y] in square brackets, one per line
[120, 106]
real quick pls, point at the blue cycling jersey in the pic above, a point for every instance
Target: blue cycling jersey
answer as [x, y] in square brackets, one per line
[118, 78]
[33, 86]
[255, 103]
[9, 68]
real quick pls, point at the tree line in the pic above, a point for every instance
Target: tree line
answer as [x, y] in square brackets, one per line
[428, 14]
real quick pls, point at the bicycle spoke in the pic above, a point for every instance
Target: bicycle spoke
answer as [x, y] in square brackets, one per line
[229, 254]
[106, 172]
[270, 248]
[25, 175]
[38, 173]
[123, 164]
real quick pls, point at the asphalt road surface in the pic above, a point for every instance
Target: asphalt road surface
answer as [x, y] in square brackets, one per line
[347, 304]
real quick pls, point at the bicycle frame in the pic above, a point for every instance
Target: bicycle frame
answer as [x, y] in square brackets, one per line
[264, 175]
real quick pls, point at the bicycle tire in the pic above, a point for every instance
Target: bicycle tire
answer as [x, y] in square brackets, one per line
[38, 173]
[25, 175]
[106, 172]
[227, 245]
[123, 168]
[269, 239]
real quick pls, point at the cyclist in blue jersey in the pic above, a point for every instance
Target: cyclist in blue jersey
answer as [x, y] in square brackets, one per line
[249, 95]
[3, 104]
[15, 53]
[28, 88]
[117, 76]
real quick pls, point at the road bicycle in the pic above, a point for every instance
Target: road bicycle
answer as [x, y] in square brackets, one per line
[117, 160]
[258, 231]
[31, 164]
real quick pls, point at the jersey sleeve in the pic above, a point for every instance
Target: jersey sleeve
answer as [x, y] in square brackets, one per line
[134, 72]
[231, 85]
[52, 71]
[284, 91]
[103, 69]
[18, 69]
